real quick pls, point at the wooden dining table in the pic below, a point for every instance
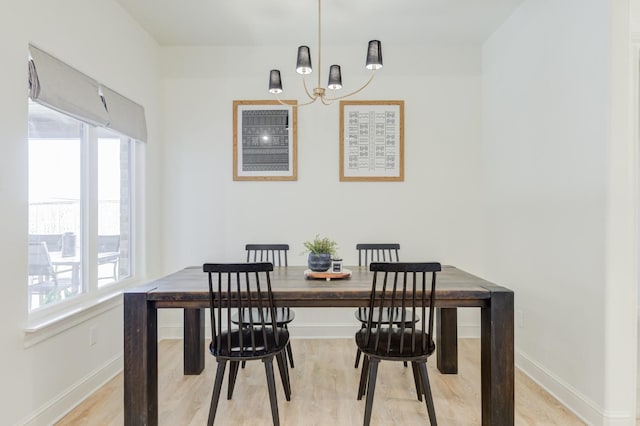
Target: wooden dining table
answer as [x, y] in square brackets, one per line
[188, 289]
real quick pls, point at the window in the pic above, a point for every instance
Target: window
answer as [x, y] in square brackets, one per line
[82, 136]
[80, 207]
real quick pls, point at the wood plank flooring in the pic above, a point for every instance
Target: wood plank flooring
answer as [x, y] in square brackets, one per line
[324, 388]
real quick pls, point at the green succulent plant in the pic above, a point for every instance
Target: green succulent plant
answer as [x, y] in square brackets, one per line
[321, 245]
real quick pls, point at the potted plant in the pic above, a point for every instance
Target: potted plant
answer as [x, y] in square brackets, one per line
[320, 250]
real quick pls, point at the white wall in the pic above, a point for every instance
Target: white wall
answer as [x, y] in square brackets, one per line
[441, 141]
[40, 382]
[435, 214]
[508, 175]
[556, 207]
[634, 27]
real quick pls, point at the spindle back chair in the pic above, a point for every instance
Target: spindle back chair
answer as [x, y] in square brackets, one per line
[399, 288]
[245, 289]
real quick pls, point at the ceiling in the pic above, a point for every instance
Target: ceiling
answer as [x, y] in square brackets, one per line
[345, 22]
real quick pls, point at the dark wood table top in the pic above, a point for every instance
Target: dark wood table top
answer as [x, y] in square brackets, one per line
[189, 288]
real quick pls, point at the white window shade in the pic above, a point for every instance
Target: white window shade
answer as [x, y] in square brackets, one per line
[125, 116]
[58, 86]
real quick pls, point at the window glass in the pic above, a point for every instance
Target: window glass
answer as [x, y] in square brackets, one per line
[114, 207]
[55, 220]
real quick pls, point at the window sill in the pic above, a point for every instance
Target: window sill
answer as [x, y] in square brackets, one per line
[43, 329]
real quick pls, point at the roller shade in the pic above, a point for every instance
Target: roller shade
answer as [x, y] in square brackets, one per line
[59, 86]
[125, 116]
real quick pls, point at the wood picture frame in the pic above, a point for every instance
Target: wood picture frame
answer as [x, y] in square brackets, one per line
[265, 140]
[372, 141]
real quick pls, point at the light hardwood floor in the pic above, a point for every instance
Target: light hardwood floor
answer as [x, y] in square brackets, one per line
[324, 388]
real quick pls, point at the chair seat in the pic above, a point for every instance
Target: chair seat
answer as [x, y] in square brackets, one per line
[389, 316]
[265, 343]
[283, 316]
[396, 350]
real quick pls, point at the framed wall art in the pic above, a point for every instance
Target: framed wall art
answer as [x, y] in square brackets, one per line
[265, 144]
[372, 140]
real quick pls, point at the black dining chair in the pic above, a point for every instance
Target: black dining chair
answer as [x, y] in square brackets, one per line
[276, 254]
[399, 287]
[235, 289]
[378, 252]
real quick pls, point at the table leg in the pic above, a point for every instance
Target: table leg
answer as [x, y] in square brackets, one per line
[140, 360]
[497, 359]
[447, 340]
[193, 341]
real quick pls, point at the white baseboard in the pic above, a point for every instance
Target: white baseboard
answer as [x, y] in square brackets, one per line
[71, 397]
[174, 331]
[297, 330]
[325, 331]
[314, 331]
[582, 406]
[468, 331]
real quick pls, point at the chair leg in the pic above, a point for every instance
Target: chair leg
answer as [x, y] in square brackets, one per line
[427, 392]
[284, 374]
[290, 354]
[217, 386]
[233, 374]
[371, 388]
[244, 363]
[363, 377]
[358, 354]
[416, 379]
[271, 384]
[289, 351]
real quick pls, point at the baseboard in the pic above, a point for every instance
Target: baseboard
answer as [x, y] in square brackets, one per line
[315, 331]
[297, 330]
[468, 331]
[323, 331]
[582, 406]
[174, 331]
[61, 405]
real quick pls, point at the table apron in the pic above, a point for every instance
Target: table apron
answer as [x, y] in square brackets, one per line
[344, 303]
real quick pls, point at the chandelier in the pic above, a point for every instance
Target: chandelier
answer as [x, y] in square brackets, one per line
[303, 67]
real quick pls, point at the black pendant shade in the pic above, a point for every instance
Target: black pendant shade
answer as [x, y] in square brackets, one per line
[303, 64]
[275, 83]
[335, 78]
[374, 55]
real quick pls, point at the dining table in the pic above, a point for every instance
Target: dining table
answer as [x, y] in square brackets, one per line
[188, 289]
